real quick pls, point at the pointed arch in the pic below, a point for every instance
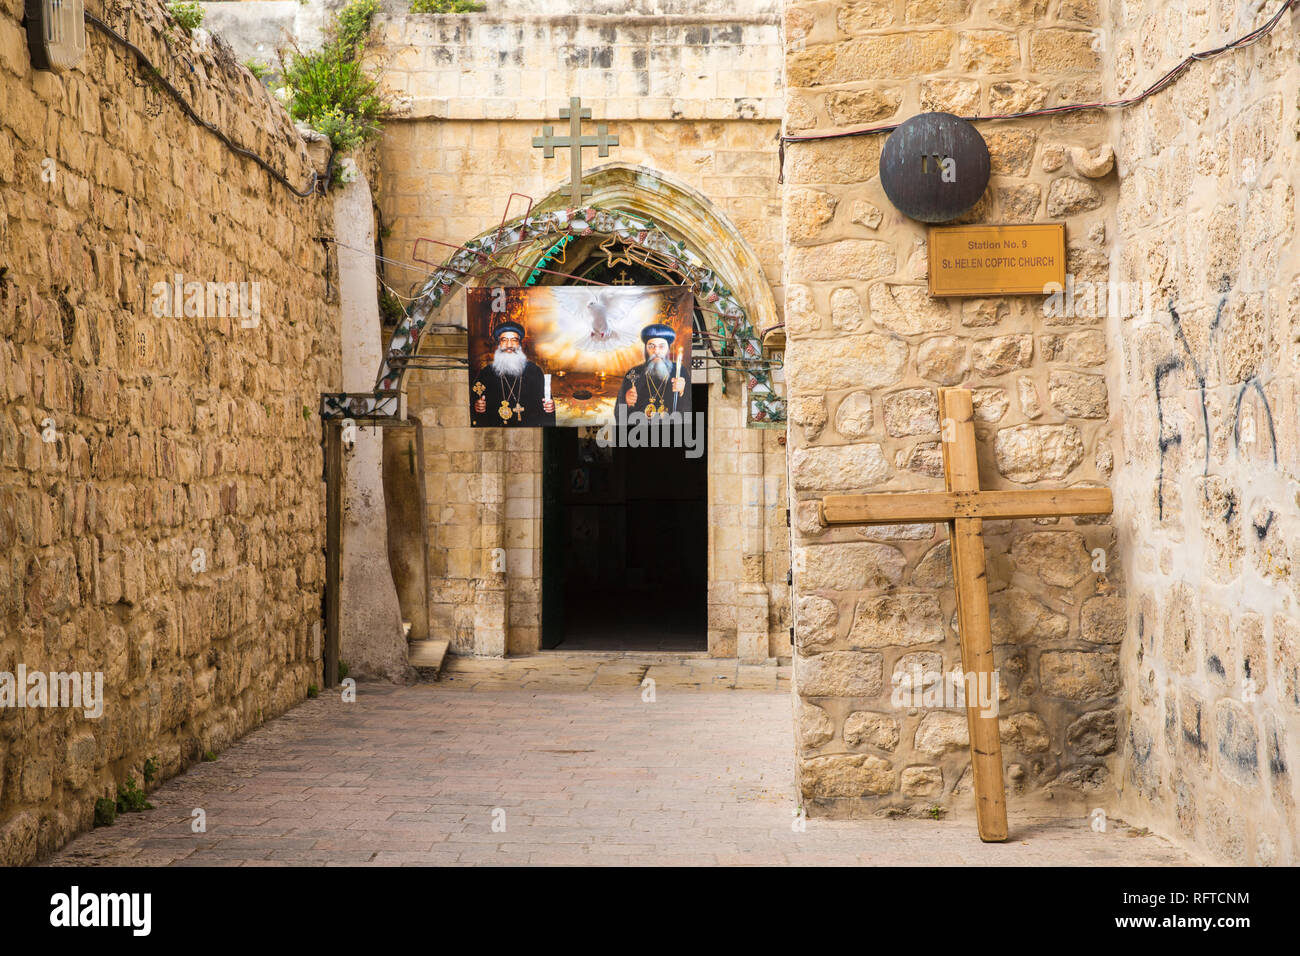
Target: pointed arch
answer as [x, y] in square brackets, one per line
[642, 208]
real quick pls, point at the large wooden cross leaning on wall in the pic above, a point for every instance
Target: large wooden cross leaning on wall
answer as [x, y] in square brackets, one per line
[964, 507]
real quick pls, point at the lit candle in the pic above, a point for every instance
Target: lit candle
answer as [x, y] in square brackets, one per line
[546, 379]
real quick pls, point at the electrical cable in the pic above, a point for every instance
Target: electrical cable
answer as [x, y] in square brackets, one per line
[1161, 84]
[175, 94]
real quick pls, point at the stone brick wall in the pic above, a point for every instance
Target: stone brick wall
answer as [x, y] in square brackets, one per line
[1205, 475]
[166, 434]
[695, 98]
[869, 348]
[698, 98]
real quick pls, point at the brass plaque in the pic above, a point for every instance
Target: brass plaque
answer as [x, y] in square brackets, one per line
[996, 260]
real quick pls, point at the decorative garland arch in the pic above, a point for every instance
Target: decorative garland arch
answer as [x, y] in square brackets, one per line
[764, 407]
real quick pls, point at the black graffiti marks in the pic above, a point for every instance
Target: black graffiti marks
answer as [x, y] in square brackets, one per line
[1169, 435]
[1253, 382]
[1197, 370]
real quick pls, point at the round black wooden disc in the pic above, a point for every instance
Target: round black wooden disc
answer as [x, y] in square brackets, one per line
[934, 167]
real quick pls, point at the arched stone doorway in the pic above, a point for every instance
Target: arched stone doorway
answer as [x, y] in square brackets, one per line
[485, 489]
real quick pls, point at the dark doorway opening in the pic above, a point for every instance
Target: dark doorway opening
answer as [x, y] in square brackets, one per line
[624, 543]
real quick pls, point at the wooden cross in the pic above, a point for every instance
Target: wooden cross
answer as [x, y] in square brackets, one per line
[964, 507]
[575, 142]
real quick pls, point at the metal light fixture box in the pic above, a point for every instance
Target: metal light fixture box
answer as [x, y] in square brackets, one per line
[56, 33]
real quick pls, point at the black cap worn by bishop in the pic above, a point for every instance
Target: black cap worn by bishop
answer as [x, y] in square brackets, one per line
[658, 331]
[505, 327]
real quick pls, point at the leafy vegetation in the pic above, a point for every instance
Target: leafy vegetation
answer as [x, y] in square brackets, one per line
[131, 799]
[259, 70]
[313, 691]
[188, 15]
[209, 756]
[328, 89]
[391, 311]
[447, 6]
[105, 812]
[150, 770]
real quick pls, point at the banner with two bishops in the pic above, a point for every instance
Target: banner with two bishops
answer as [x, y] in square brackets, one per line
[573, 355]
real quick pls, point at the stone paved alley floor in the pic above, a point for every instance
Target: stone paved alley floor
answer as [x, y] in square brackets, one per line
[564, 752]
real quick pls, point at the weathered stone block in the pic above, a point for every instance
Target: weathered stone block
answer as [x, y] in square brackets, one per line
[1058, 558]
[852, 566]
[897, 620]
[1238, 742]
[816, 619]
[807, 211]
[1078, 395]
[1016, 617]
[942, 359]
[989, 404]
[1002, 354]
[845, 775]
[815, 726]
[921, 782]
[848, 107]
[857, 259]
[853, 418]
[869, 360]
[1060, 51]
[1078, 675]
[988, 51]
[908, 309]
[1094, 734]
[1036, 452]
[934, 570]
[1102, 619]
[839, 674]
[873, 730]
[827, 467]
[940, 732]
[834, 162]
[1068, 196]
[846, 310]
[913, 411]
[1025, 732]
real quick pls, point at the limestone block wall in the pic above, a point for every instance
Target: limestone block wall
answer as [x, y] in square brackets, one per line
[868, 348]
[161, 504]
[1207, 459]
[694, 96]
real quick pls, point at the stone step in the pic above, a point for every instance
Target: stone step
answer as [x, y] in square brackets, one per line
[426, 656]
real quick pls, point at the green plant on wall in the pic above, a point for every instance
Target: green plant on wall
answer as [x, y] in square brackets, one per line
[447, 6]
[328, 89]
[390, 308]
[131, 799]
[105, 812]
[188, 15]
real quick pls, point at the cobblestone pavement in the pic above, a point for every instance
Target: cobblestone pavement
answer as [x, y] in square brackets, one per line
[573, 766]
